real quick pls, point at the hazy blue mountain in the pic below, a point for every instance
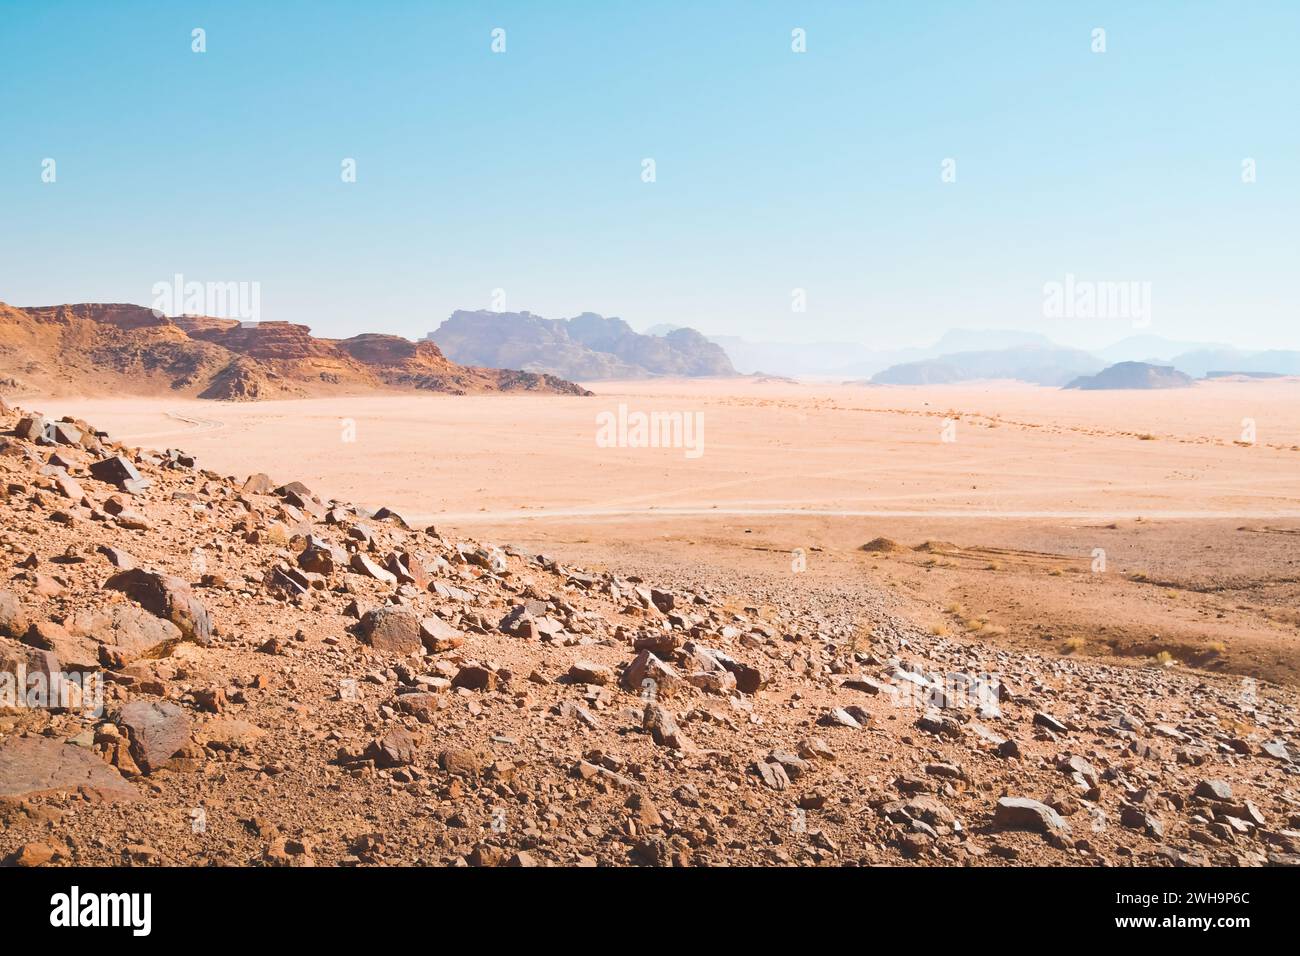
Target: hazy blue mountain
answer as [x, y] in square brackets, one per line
[1039, 364]
[1142, 375]
[587, 346]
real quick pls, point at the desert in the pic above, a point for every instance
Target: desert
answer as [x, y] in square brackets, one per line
[868, 625]
[845, 453]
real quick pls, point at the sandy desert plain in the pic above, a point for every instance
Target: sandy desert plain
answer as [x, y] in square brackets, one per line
[1132, 525]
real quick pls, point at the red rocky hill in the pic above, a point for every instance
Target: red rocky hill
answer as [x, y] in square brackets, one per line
[94, 348]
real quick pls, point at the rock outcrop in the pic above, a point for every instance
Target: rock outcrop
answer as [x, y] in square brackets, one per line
[129, 349]
[587, 347]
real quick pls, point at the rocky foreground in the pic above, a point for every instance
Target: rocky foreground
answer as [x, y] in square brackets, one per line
[286, 679]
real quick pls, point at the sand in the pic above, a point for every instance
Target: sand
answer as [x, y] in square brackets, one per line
[1198, 527]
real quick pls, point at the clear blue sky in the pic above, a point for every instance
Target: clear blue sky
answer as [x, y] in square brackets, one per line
[775, 170]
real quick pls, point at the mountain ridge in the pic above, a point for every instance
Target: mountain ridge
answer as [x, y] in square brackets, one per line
[586, 347]
[131, 349]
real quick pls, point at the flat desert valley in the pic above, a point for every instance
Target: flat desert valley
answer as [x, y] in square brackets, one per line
[1146, 527]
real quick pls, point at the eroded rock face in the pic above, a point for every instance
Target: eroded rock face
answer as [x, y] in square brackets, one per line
[131, 349]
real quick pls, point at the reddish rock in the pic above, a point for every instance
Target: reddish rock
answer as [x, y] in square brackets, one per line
[43, 766]
[397, 748]
[157, 730]
[390, 630]
[167, 597]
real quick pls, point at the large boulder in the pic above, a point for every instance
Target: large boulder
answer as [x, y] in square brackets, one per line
[392, 630]
[157, 729]
[118, 470]
[13, 618]
[43, 766]
[168, 597]
[125, 633]
[75, 652]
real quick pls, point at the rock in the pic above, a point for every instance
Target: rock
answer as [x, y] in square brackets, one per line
[749, 679]
[13, 619]
[773, 775]
[35, 854]
[932, 721]
[168, 597]
[117, 557]
[65, 433]
[363, 565]
[229, 735]
[391, 630]
[570, 708]
[406, 568]
[131, 520]
[210, 699]
[321, 557]
[650, 676]
[644, 812]
[816, 748]
[1050, 722]
[839, 717]
[42, 766]
[585, 672]
[439, 636]
[119, 471]
[31, 427]
[125, 633]
[465, 761]
[422, 705]
[663, 727]
[1020, 813]
[29, 661]
[1214, 790]
[74, 653]
[387, 514]
[258, 484]
[475, 677]
[397, 748]
[870, 686]
[1276, 749]
[157, 730]
[1137, 819]
[68, 487]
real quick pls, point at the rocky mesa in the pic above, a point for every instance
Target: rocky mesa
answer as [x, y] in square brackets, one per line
[587, 347]
[129, 349]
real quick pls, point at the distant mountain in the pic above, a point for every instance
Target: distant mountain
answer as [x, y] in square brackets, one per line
[791, 358]
[988, 340]
[855, 360]
[1133, 375]
[586, 347]
[1153, 348]
[130, 349]
[1200, 363]
[1039, 364]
